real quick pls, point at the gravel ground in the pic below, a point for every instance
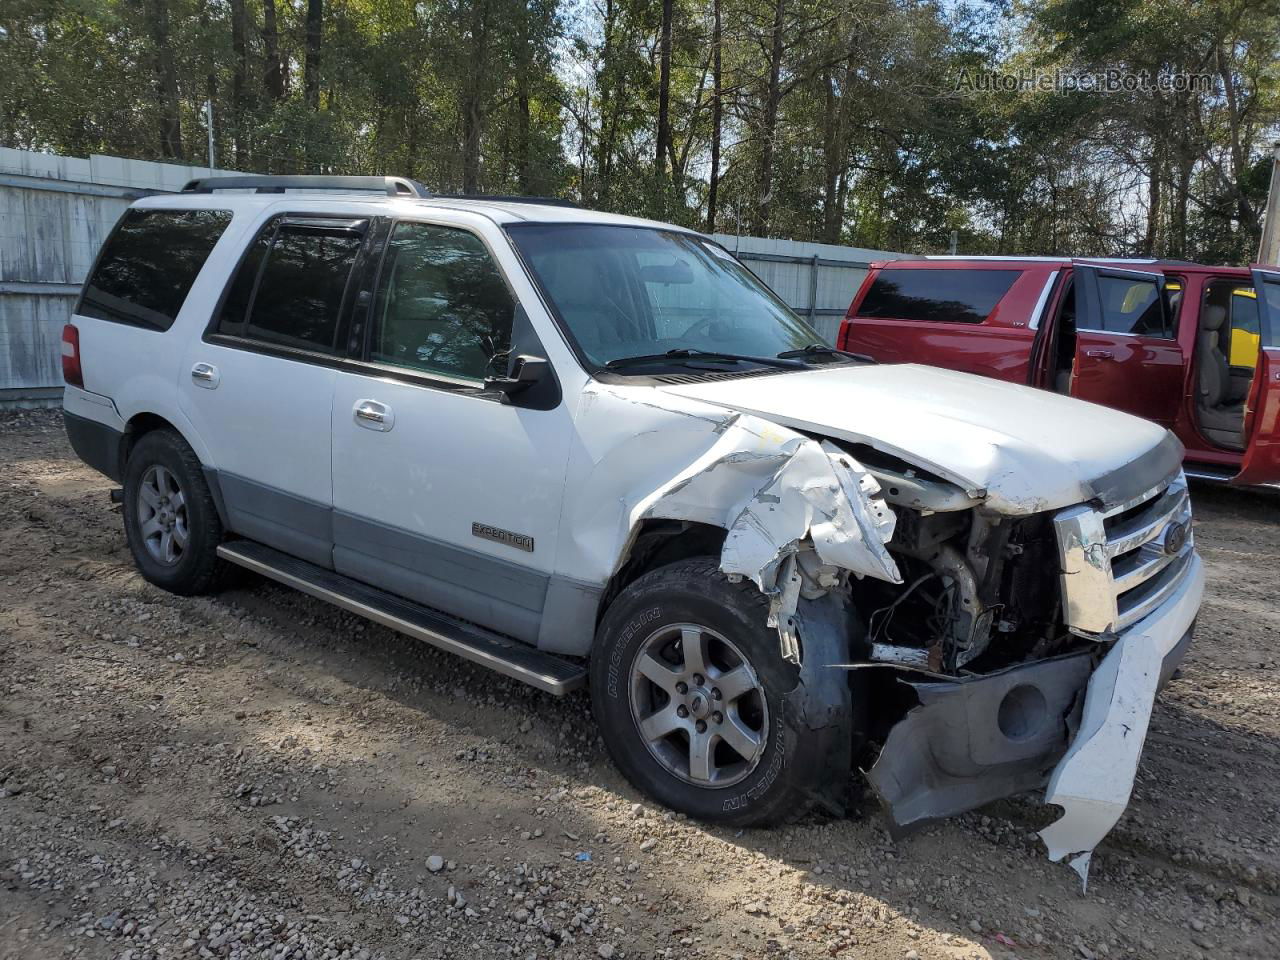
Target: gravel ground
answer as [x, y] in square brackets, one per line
[259, 775]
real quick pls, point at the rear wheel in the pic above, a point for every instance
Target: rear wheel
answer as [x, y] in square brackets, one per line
[698, 708]
[170, 519]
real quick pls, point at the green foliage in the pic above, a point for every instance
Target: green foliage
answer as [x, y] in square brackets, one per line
[841, 120]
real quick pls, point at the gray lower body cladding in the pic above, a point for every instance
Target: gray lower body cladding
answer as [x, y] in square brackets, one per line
[97, 444]
[980, 739]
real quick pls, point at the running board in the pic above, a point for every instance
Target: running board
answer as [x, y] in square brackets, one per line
[1212, 474]
[506, 656]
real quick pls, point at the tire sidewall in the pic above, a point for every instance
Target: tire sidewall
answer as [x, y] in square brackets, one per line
[651, 603]
[163, 449]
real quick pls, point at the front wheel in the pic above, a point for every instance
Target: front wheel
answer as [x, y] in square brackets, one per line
[698, 708]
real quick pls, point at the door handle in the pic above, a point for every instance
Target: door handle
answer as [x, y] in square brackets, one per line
[205, 375]
[373, 415]
[1100, 354]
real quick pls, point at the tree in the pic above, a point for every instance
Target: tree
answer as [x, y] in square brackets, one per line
[315, 39]
[662, 144]
[166, 79]
[717, 113]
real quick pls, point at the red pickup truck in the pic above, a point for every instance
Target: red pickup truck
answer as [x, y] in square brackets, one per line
[1192, 347]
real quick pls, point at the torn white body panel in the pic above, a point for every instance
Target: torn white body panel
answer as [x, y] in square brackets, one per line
[803, 493]
[812, 492]
[768, 486]
[1094, 780]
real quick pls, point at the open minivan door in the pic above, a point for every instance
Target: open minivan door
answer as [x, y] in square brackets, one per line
[1261, 462]
[1127, 352]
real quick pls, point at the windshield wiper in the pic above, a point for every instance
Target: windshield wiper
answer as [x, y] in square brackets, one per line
[821, 348]
[711, 356]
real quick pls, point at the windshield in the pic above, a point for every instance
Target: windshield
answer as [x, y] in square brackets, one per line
[636, 291]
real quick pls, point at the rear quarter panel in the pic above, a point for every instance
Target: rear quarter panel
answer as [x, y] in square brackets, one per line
[138, 368]
[1001, 347]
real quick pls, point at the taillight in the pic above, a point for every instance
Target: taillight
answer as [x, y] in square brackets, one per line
[71, 371]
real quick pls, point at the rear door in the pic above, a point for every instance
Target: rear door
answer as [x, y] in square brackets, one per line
[259, 385]
[1261, 462]
[1127, 353]
[974, 317]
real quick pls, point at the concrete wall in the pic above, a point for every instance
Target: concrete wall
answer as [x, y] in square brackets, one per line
[54, 214]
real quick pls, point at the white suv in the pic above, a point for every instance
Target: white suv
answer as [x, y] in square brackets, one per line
[574, 446]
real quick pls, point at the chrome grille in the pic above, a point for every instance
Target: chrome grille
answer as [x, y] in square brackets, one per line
[1119, 565]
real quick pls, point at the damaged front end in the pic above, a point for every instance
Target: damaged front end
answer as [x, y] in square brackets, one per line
[1004, 645]
[1032, 646]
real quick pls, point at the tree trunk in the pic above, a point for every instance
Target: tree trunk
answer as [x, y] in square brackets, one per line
[830, 160]
[664, 92]
[1176, 246]
[239, 78]
[608, 110]
[166, 80]
[276, 76]
[524, 160]
[473, 98]
[1152, 237]
[311, 66]
[1239, 160]
[769, 126]
[717, 115]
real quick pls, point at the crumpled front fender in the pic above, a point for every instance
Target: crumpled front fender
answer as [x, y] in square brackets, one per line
[773, 490]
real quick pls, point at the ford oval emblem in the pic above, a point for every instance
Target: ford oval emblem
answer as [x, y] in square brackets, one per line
[1175, 538]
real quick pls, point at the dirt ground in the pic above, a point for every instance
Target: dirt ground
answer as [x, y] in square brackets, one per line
[259, 775]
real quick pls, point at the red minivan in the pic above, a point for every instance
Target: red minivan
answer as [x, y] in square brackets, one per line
[1192, 347]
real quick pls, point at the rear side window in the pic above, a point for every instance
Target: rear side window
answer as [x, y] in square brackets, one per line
[1270, 312]
[1131, 305]
[290, 285]
[938, 296]
[148, 265]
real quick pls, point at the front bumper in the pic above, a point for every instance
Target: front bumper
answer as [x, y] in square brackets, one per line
[1078, 720]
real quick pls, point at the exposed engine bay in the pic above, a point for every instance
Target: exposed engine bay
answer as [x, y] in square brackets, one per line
[984, 690]
[979, 592]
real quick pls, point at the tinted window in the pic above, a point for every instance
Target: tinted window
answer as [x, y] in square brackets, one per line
[1244, 311]
[148, 265]
[940, 296]
[291, 283]
[442, 306]
[235, 305]
[1130, 305]
[1271, 329]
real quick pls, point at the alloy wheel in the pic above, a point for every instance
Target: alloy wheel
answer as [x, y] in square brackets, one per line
[698, 705]
[162, 515]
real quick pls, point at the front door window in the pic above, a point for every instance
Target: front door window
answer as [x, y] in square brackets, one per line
[442, 307]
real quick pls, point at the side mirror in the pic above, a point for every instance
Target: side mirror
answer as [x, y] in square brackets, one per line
[524, 372]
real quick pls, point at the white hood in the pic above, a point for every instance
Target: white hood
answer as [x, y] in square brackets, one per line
[1024, 450]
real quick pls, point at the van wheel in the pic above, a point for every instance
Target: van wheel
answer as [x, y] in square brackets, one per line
[170, 519]
[700, 711]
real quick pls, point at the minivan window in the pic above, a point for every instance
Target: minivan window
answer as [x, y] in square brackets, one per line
[1130, 305]
[148, 265]
[442, 306]
[936, 295]
[290, 285]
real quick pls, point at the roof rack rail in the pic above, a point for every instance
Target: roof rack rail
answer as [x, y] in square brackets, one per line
[391, 186]
[505, 198]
